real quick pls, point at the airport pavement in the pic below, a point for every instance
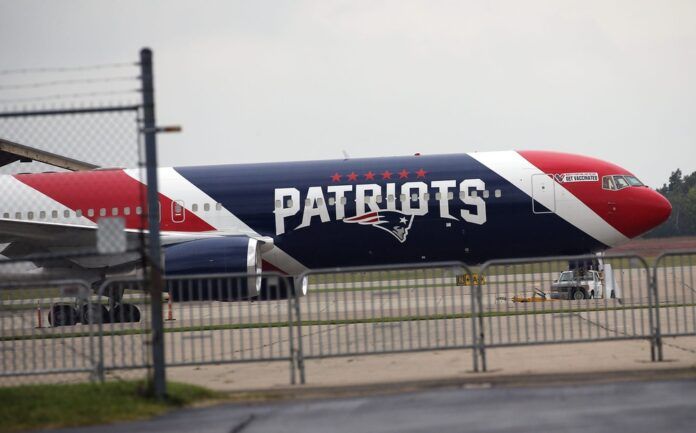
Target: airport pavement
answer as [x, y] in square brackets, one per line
[663, 406]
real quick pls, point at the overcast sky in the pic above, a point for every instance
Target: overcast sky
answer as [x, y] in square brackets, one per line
[261, 81]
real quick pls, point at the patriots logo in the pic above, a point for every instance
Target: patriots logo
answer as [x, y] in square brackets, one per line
[396, 223]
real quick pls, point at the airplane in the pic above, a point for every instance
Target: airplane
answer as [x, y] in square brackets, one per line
[293, 216]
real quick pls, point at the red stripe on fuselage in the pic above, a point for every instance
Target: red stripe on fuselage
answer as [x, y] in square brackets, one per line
[108, 189]
[622, 209]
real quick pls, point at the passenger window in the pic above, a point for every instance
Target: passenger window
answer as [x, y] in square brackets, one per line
[102, 212]
[402, 197]
[6, 215]
[437, 196]
[332, 201]
[90, 212]
[498, 193]
[78, 213]
[114, 211]
[194, 207]
[320, 201]
[54, 214]
[390, 198]
[42, 215]
[414, 197]
[18, 215]
[30, 215]
[450, 195]
[138, 210]
[486, 194]
[206, 207]
[426, 196]
[126, 211]
[218, 206]
[344, 201]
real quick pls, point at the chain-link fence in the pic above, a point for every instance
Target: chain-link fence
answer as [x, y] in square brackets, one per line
[71, 182]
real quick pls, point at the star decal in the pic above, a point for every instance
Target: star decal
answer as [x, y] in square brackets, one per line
[352, 176]
[336, 177]
[421, 173]
[369, 175]
[386, 174]
[403, 174]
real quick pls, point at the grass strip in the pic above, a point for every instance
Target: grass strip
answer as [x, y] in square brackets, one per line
[282, 324]
[71, 405]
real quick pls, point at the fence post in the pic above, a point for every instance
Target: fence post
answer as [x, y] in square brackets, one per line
[154, 271]
[299, 357]
[478, 317]
[655, 315]
[291, 331]
[474, 329]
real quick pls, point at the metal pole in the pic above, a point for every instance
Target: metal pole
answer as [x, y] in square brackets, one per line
[154, 269]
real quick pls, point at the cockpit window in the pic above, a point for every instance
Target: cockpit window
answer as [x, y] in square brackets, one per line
[616, 182]
[633, 181]
[621, 182]
[608, 183]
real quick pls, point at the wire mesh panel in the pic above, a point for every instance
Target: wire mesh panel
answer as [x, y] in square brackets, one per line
[47, 328]
[386, 310]
[72, 190]
[53, 135]
[565, 300]
[210, 319]
[675, 283]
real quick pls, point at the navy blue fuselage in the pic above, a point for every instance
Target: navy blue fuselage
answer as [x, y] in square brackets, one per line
[510, 227]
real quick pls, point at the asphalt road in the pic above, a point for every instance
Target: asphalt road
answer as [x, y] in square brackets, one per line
[634, 407]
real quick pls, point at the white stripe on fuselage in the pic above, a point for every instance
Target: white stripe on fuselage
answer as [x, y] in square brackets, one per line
[176, 187]
[517, 170]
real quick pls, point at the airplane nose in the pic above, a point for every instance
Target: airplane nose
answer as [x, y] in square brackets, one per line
[656, 209]
[661, 208]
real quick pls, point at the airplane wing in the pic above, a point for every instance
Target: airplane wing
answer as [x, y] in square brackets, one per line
[27, 238]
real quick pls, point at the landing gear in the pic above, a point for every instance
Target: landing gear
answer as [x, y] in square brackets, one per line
[122, 313]
[94, 313]
[62, 315]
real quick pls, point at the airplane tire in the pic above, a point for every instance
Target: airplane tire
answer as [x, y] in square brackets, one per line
[94, 313]
[123, 313]
[62, 315]
[578, 294]
[613, 294]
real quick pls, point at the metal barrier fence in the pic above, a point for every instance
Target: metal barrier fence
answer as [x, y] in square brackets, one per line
[674, 279]
[532, 302]
[382, 310]
[239, 318]
[30, 345]
[211, 319]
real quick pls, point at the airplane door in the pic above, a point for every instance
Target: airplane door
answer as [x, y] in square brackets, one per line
[543, 194]
[178, 211]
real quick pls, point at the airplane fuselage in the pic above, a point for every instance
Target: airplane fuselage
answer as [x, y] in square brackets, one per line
[320, 214]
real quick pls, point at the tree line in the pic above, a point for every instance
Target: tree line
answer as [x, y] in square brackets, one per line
[681, 192]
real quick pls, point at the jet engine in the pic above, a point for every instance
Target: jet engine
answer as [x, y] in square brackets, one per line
[210, 257]
[215, 258]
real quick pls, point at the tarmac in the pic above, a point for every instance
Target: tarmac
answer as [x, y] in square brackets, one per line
[653, 406]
